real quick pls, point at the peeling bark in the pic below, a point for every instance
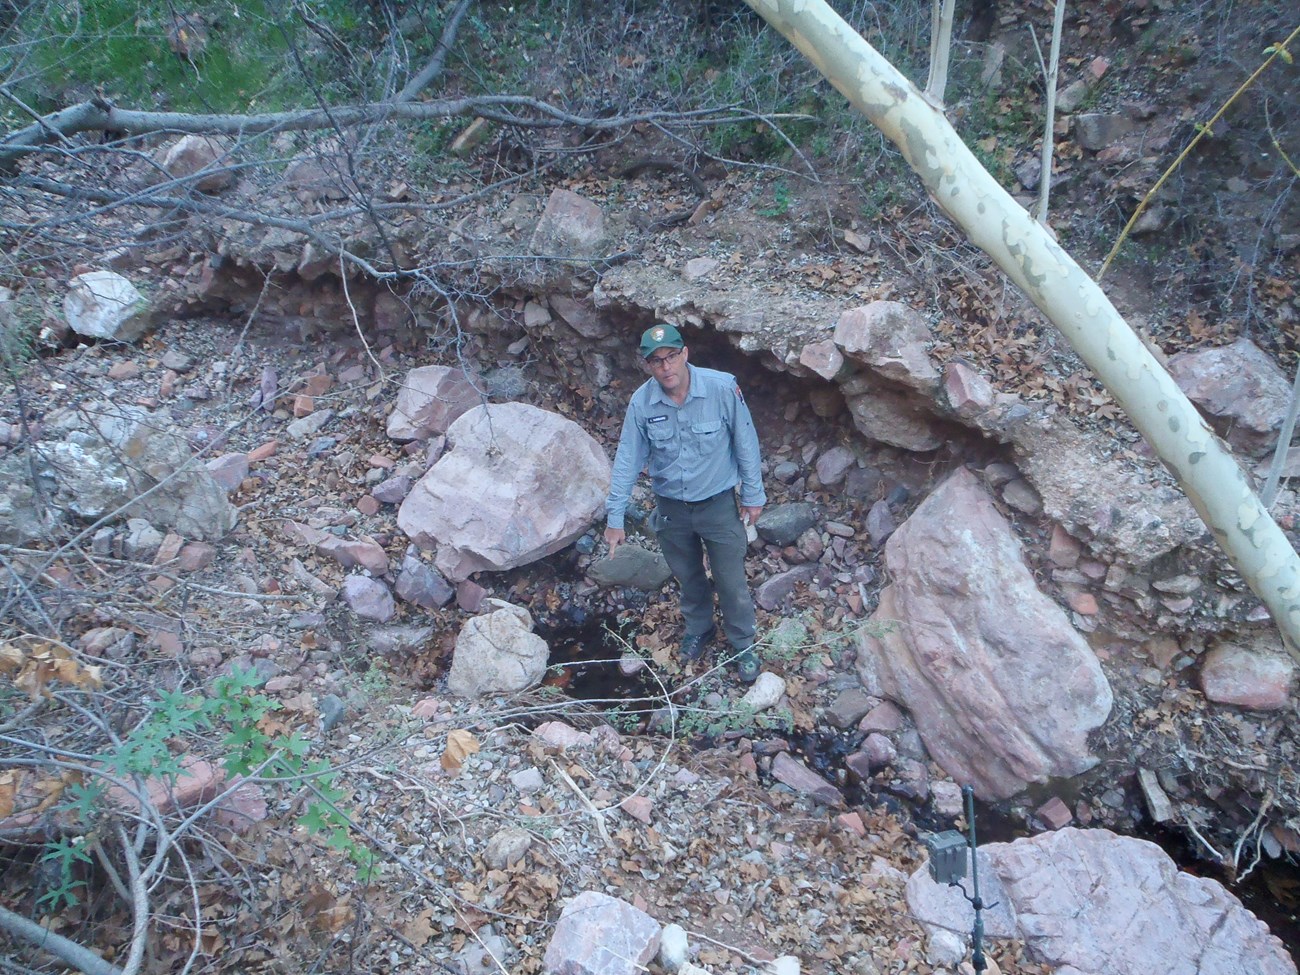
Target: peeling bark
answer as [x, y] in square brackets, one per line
[1026, 252]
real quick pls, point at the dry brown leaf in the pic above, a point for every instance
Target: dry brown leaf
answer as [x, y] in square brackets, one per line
[8, 791]
[460, 745]
[419, 929]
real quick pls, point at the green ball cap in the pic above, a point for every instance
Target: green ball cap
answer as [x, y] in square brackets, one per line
[662, 336]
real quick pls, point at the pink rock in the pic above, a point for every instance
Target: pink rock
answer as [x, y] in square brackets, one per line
[369, 598]
[581, 317]
[792, 772]
[851, 822]
[1083, 603]
[470, 596]
[351, 553]
[368, 505]
[1064, 549]
[1054, 813]
[426, 708]
[699, 267]
[891, 338]
[169, 549]
[968, 392]
[229, 471]
[883, 717]
[834, 464]
[1240, 388]
[261, 453]
[824, 358]
[570, 226]
[521, 483]
[638, 807]
[1256, 674]
[561, 735]
[195, 556]
[1075, 897]
[1003, 689]
[601, 935]
[124, 370]
[429, 401]
[200, 160]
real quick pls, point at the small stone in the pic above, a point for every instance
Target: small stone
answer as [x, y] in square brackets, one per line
[264, 451]
[768, 689]
[124, 370]
[369, 598]
[309, 425]
[1054, 813]
[839, 529]
[1083, 603]
[194, 556]
[303, 405]
[507, 847]
[699, 267]
[673, 946]
[368, 505]
[229, 471]
[1064, 549]
[638, 807]
[1021, 496]
[528, 780]
[1182, 585]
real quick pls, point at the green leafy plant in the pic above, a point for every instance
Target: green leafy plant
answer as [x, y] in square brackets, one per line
[63, 855]
[780, 201]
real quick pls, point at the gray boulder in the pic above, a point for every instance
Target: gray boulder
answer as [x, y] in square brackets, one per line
[105, 305]
[519, 483]
[782, 524]
[634, 566]
[498, 653]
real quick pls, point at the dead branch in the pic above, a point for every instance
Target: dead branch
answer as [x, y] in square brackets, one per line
[99, 115]
[64, 949]
[431, 70]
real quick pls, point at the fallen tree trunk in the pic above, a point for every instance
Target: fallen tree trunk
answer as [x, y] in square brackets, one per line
[1026, 252]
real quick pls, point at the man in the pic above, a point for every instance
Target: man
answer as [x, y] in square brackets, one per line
[690, 429]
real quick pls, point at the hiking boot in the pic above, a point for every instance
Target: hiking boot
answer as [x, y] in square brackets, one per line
[693, 647]
[748, 665]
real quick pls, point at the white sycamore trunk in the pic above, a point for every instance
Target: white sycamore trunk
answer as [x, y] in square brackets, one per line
[1064, 293]
[940, 48]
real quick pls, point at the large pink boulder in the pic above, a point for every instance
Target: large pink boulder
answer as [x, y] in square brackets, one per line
[517, 484]
[1088, 900]
[890, 338]
[1003, 690]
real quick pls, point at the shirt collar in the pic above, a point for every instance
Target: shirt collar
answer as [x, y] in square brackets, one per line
[659, 396]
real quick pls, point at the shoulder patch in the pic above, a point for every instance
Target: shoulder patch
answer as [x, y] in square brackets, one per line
[739, 395]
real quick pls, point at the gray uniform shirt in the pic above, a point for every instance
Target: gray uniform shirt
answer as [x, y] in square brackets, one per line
[692, 451]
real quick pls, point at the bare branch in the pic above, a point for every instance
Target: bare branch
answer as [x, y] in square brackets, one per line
[434, 68]
[62, 948]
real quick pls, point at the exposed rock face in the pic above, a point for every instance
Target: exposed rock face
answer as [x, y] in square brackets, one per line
[498, 653]
[430, 400]
[519, 484]
[1091, 901]
[1002, 688]
[601, 935]
[891, 417]
[105, 305]
[1241, 390]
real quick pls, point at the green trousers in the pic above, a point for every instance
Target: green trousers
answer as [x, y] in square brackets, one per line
[686, 530]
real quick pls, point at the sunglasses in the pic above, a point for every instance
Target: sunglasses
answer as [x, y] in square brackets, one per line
[655, 361]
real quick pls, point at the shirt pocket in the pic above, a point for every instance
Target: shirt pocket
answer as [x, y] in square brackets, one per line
[660, 436]
[702, 439]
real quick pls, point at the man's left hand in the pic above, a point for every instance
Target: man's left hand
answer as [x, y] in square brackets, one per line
[750, 515]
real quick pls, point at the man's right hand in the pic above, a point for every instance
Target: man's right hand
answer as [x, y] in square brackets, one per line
[614, 537]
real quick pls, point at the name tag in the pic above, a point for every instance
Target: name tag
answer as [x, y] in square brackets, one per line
[656, 419]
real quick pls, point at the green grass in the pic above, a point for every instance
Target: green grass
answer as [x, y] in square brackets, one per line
[119, 48]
